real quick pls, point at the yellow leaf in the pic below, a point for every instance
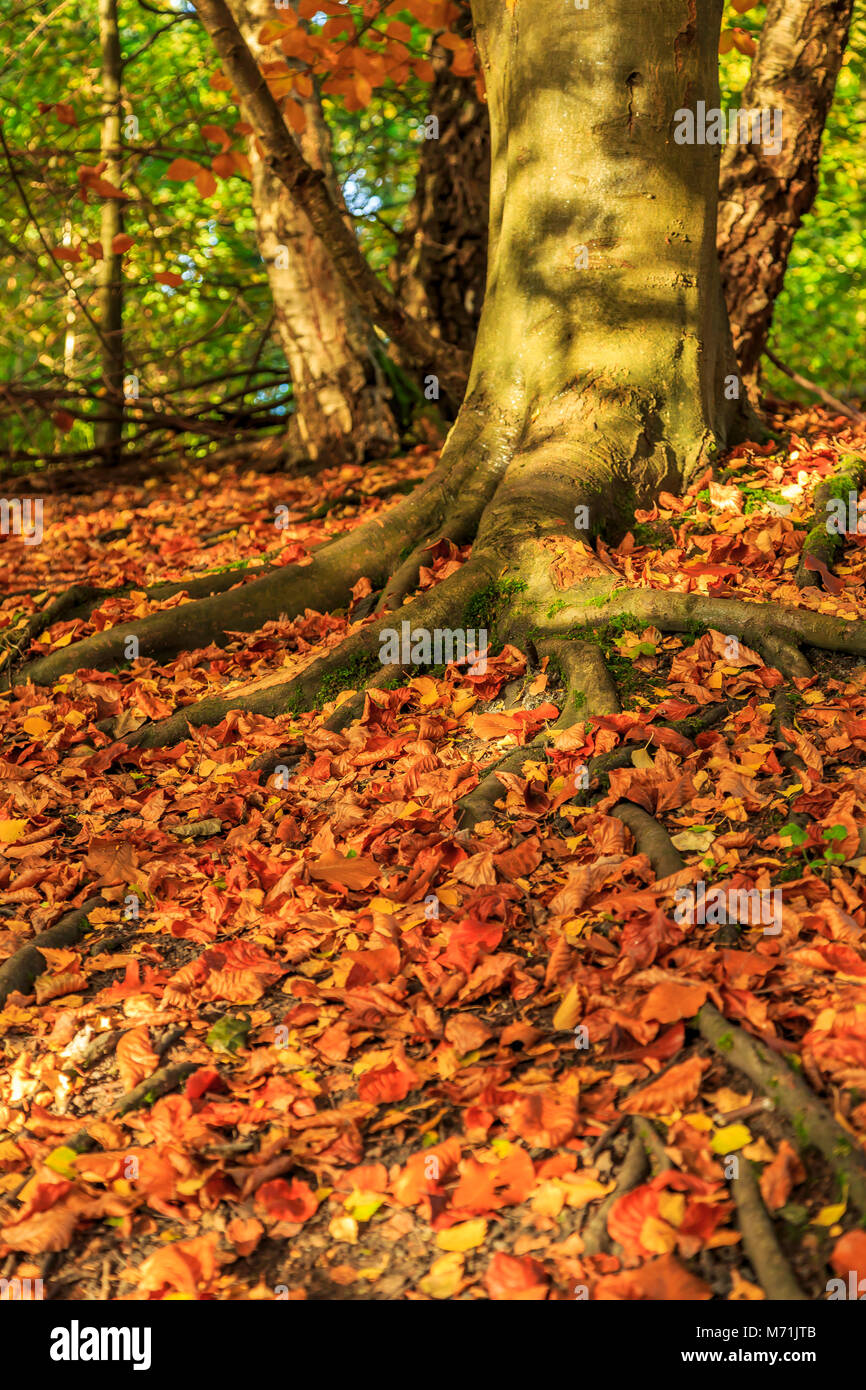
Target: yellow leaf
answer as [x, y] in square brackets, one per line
[730, 1138]
[12, 830]
[464, 1236]
[445, 1276]
[569, 1010]
[828, 1216]
[672, 1207]
[362, 1205]
[62, 1160]
[580, 1190]
[461, 703]
[36, 726]
[658, 1236]
[701, 1122]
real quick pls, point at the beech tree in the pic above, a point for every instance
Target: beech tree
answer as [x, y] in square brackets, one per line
[340, 394]
[602, 376]
[765, 195]
[440, 269]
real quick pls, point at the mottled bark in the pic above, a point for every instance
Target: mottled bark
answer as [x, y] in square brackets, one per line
[341, 398]
[440, 269]
[764, 197]
[109, 432]
[603, 325]
[309, 190]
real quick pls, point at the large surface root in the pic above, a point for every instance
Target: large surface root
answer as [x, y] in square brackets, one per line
[589, 690]
[358, 655]
[813, 1123]
[450, 500]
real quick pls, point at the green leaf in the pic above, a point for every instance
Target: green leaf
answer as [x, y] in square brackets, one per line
[229, 1035]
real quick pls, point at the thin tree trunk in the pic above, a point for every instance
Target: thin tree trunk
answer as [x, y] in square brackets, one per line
[440, 269]
[342, 401]
[309, 189]
[764, 197]
[109, 433]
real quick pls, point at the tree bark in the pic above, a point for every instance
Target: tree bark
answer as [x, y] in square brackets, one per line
[764, 197]
[440, 268]
[603, 325]
[109, 432]
[309, 189]
[341, 398]
[603, 359]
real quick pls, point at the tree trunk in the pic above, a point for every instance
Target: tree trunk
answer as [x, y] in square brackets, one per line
[440, 269]
[109, 432]
[764, 197]
[603, 336]
[603, 370]
[342, 400]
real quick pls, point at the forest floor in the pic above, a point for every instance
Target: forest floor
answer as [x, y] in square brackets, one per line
[380, 1058]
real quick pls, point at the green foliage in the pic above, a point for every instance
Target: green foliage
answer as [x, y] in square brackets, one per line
[819, 323]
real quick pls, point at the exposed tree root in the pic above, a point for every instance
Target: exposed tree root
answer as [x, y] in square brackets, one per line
[759, 1239]
[784, 720]
[357, 660]
[604, 763]
[651, 839]
[16, 642]
[631, 1174]
[22, 968]
[453, 498]
[160, 1083]
[589, 690]
[776, 630]
[812, 1121]
[823, 543]
[652, 1142]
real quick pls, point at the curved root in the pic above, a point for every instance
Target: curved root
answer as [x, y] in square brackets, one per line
[360, 650]
[589, 690]
[372, 551]
[759, 1239]
[808, 1115]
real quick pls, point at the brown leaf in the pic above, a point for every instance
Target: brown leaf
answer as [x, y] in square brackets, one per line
[670, 1092]
[780, 1176]
[113, 860]
[136, 1058]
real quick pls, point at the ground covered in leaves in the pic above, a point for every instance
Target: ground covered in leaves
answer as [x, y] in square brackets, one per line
[384, 1058]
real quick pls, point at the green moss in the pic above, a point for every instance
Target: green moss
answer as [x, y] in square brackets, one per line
[352, 676]
[725, 1043]
[482, 607]
[758, 497]
[657, 534]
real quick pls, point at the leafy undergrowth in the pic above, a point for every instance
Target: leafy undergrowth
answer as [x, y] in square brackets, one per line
[415, 1055]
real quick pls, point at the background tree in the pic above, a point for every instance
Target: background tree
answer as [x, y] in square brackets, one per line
[764, 196]
[440, 267]
[109, 434]
[341, 395]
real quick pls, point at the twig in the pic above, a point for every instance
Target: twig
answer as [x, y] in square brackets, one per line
[807, 385]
